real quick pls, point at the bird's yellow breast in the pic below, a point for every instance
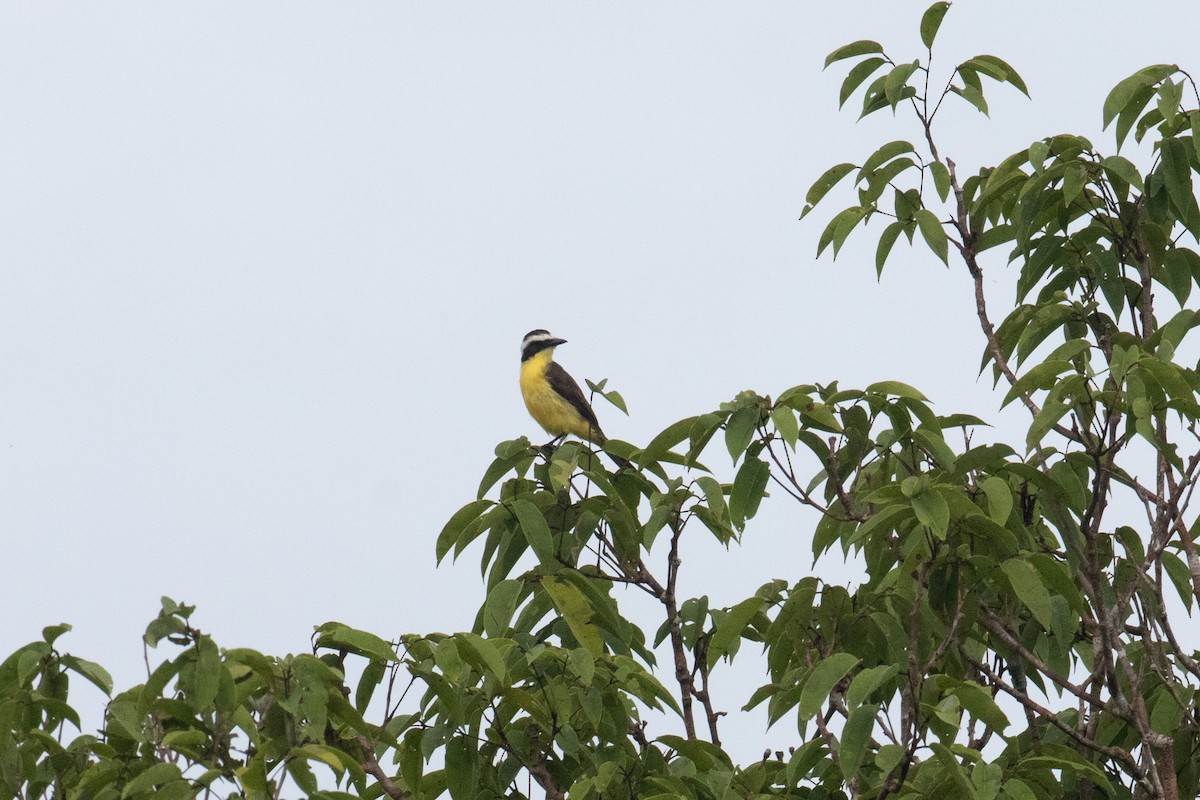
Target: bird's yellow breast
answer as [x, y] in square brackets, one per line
[547, 406]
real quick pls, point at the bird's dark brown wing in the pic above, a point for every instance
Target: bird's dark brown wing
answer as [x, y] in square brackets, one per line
[569, 390]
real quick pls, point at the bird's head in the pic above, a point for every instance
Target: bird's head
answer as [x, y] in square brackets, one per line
[538, 340]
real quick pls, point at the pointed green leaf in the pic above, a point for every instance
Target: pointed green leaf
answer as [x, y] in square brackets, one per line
[785, 422]
[896, 389]
[739, 431]
[858, 73]
[999, 498]
[856, 735]
[821, 186]
[749, 488]
[500, 606]
[821, 681]
[536, 530]
[883, 155]
[897, 80]
[931, 20]
[932, 511]
[152, 776]
[728, 632]
[867, 682]
[577, 612]
[1177, 174]
[95, 673]
[973, 96]
[980, 703]
[941, 179]
[1030, 590]
[1134, 85]
[886, 240]
[484, 655]
[1124, 169]
[886, 518]
[860, 48]
[464, 516]
[934, 233]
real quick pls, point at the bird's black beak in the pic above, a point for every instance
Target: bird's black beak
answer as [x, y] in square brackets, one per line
[556, 342]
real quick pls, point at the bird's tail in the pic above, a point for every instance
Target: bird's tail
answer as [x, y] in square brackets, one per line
[597, 437]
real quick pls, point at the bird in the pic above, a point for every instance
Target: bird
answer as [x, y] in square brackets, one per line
[552, 396]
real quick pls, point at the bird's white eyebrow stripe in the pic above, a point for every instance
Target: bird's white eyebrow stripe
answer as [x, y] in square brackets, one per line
[535, 337]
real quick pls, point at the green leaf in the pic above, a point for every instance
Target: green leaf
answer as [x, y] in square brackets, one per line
[897, 80]
[335, 636]
[856, 735]
[858, 73]
[51, 632]
[1017, 789]
[368, 682]
[932, 512]
[1180, 576]
[462, 768]
[577, 612]
[944, 756]
[973, 96]
[840, 227]
[1074, 178]
[1126, 90]
[860, 48]
[509, 456]
[785, 422]
[1178, 274]
[727, 634]
[208, 674]
[1068, 761]
[1049, 416]
[821, 186]
[152, 776]
[883, 155]
[739, 430]
[454, 528]
[941, 178]
[485, 656]
[885, 518]
[1177, 174]
[500, 606]
[536, 530]
[1167, 712]
[1124, 169]
[997, 69]
[886, 240]
[1030, 590]
[999, 498]
[749, 487]
[934, 233]
[934, 444]
[980, 703]
[95, 673]
[1043, 376]
[931, 21]
[821, 681]
[661, 444]
[866, 682]
[895, 389]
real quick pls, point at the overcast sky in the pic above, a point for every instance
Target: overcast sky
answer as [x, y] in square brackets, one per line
[266, 266]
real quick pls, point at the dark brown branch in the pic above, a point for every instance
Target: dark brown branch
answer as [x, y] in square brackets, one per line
[544, 779]
[1038, 710]
[371, 765]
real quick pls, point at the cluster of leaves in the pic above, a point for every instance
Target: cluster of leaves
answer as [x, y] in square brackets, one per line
[1007, 640]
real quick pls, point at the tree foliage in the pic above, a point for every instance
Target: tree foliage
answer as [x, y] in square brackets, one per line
[1023, 627]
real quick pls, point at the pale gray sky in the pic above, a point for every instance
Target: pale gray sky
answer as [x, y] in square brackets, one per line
[266, 267]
